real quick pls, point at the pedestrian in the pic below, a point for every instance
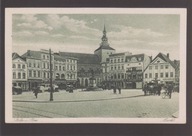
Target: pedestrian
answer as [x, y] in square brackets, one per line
[169, 89]
[36, 92]
[119, 88]
[114, 89]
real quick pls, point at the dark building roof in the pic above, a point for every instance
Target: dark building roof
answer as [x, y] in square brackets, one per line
[62, 58]
[32, 54]
[15, 55]
[82, 57]
[165, 58]
[104, 47]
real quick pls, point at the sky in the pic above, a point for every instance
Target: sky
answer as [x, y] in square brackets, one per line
[136, 33]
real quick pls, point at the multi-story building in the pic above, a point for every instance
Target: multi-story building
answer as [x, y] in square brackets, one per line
[34, 72]
[19, 70]
[88, 65]
[161, 69]
[135, 66]
[65, 70]
[45, 65]
[117, 69]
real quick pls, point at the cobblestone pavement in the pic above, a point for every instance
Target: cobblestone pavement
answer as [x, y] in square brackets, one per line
[129, 104]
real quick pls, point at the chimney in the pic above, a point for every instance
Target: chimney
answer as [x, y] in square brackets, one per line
[28, 53]
[167, 55]
[150, 58]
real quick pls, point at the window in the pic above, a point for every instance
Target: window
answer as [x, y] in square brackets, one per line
[19, 75]
[111, 67]
[119, 76]
[161, 75]
[118, 67]
[167, 66]
[115, 76]
[14, 75]
[34, 64]
[121, 60]
[47, 75]
[30, 73]
[122, 67]
[62, 76]
[145, 75]
[122, 76]
[162, 67]
[34, 73]
[171, 74]
[39, 74]
[14, 66]
[150, 67]
[23, 75]
[23, 66]
[19, 66]
[56, 67]
[156, 75]
[63, 68]
[150, 75]
[43, 65]
[43, 56]
[156, 67]
[60, 68]
[115, 67]
[118, 60]
[166, 74]
[44, 75]
[29, 64]
[115, 61]
[73, 67]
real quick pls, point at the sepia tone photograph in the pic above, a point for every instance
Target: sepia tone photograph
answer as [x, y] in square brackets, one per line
[95, 65]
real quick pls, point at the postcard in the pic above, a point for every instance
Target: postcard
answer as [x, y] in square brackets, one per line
[95, 65]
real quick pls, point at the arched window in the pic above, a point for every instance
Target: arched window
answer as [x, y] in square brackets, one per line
[14, 75]
[57, 76]
[14, 66]
[19, 75]
[23, 75]
[62, 76]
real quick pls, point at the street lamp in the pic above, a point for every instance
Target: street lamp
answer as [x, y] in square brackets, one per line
[51, 84]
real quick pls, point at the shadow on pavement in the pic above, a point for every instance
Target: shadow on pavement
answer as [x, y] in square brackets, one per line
[39, 101]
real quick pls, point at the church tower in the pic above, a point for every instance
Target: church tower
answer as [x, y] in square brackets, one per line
[104, 50]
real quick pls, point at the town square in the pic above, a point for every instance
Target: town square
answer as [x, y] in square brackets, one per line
[96, 66]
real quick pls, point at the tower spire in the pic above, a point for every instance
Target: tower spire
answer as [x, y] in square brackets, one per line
[104, 38]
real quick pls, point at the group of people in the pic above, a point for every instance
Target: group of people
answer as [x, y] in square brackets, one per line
[156, 88]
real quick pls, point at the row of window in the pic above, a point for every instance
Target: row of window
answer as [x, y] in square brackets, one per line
[118, 76]
[34, 73]
[117, 60]
[19, 75]
[161, 75]
[117, 67]
[19, 66]
[157, 67]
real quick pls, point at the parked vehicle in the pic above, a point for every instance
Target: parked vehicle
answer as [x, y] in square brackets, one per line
[16, 90]
[41, 89]
[48, 88]
[69, 88]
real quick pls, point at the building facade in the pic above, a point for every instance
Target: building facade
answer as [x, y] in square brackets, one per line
[19, 71]
[161, 69]
[135, 66]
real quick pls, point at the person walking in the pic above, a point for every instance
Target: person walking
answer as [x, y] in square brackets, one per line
[169, 89]
[119, 88]
[36, 92]
[114, 89]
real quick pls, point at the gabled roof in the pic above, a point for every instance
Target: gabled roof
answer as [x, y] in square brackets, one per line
[104, 47]
[32, 54]
[15, 55]
[82, 57]
[163, 57]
